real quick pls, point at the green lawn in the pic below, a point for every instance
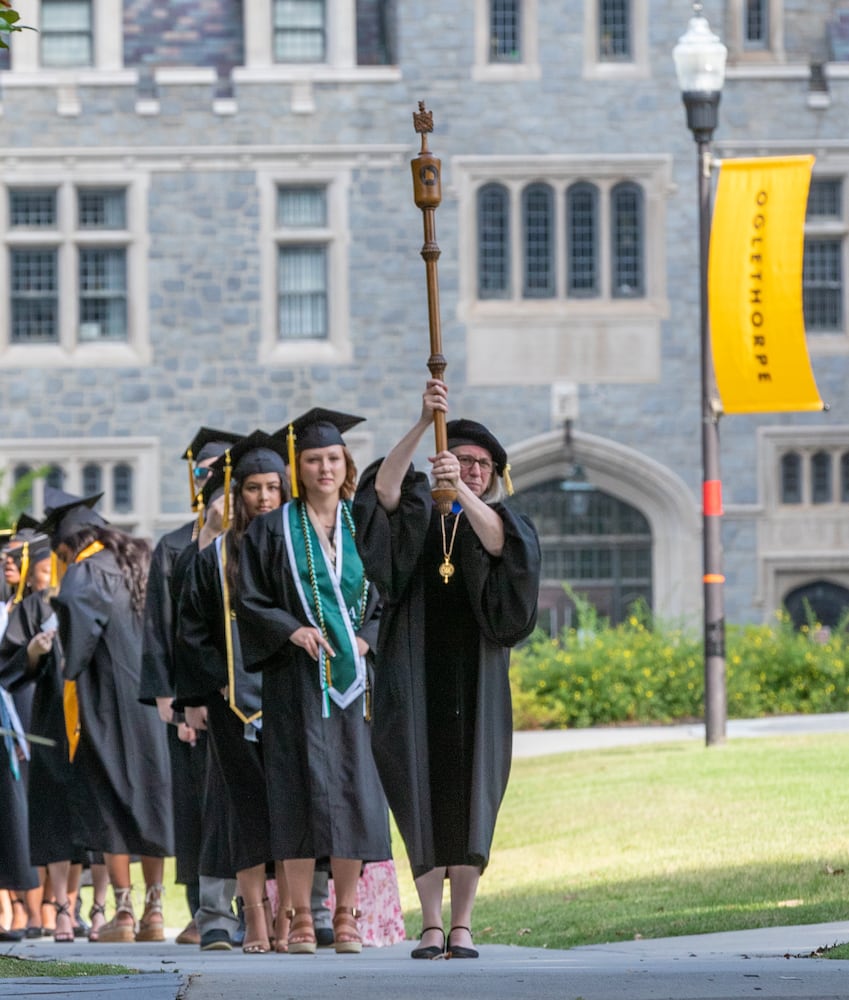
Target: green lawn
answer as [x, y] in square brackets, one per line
[658, 841]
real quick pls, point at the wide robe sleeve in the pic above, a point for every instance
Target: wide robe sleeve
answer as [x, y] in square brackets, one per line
[15, 670]
[200, 664]
[266, 591]
[157, 670]
[83, 607]
[504, 591]
[391, 544]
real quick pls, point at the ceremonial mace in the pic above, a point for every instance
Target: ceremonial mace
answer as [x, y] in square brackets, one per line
[427, 194]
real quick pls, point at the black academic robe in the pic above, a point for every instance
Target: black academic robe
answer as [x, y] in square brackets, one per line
[324, 791]
[442, 708]
[51, 794]
[188, 762]
[122, 757]
[202, 671]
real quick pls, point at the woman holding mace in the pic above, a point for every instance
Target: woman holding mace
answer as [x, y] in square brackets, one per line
[309, 622]
[460, 589]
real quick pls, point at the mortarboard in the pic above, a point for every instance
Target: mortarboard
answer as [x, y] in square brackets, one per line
[463, 431]
[209, 442]
[317, 428]
[254, 454]
[65, 514]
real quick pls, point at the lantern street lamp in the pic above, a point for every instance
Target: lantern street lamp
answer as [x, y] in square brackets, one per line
[700, 66]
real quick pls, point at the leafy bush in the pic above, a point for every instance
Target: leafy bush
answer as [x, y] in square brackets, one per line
[645, 671]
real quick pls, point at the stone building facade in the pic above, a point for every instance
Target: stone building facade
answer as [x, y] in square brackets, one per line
[207, 218]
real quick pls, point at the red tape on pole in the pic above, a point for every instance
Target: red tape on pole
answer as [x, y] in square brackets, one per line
[712, 497]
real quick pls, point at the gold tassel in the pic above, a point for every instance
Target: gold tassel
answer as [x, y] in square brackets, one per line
[508, 482]
[192, 491]
[22, 583]
[71, 710]
[293, 474]
[200, 510]
[54, 571]
[228, 470]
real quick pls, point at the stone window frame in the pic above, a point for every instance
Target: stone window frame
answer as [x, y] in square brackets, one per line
[484, 70]
[71, 456]
[67, 237]
[541, 340]
[638, 66]
[739, 52]
[335, 237]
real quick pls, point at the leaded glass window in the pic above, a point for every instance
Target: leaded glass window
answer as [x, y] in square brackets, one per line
[505, 30]
[493, 242]
[538, 233]
[66, 33]
[821, 465]
[614, 30]
[791, 478]
[299, 31]
[582, 240]
[627, 240]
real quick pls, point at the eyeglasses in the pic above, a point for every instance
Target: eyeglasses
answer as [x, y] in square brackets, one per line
[201, 472]
[468, 462]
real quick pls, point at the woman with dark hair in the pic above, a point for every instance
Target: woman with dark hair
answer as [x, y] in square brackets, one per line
[308, 621]
[211, 684]
[31, 659]
[117, 745]
[461, 589]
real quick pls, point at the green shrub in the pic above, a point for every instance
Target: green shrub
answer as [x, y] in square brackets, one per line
[645, 671]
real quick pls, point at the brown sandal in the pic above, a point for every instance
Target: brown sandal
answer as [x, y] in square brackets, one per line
[301, 931]
[258, 945]
[281, 943]
[346, 934]
[152, 924]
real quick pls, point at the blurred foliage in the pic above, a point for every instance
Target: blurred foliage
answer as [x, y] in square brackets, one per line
[647, 671]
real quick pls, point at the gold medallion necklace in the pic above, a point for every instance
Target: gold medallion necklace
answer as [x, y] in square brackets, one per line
[446, 568]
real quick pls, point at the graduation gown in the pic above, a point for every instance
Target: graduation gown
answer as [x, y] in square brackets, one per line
[324, 792]
[51, 797]
[122, 757]
[188, 763]
[202, 672]
[442, 708]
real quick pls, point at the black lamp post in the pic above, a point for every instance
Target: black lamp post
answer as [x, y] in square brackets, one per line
[700, 66]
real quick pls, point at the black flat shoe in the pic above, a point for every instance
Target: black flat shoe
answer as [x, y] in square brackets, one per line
[431, 951]
[458, 951]
[12, 935]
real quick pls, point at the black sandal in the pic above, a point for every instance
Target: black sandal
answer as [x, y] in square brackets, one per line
[458, 951]
[431, 951]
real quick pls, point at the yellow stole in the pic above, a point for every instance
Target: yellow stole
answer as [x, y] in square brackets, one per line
[70, 701]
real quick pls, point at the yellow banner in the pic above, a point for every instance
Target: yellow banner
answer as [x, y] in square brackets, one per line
[757, 324]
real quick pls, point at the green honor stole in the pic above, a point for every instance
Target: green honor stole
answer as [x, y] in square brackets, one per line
[333, 597]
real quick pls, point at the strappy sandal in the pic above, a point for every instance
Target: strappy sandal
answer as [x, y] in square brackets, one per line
[116, 930]
[432, 950]
[63, 910]
[152, 924]
[459, 951]
[301, 931]
[256, 945]
[281, 943]
[97, 910]
[346, 934]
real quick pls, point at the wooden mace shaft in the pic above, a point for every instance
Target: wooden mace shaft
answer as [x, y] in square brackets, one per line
[427, 194]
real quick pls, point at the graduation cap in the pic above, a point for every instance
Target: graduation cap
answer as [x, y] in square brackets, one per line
[65, 514]
[27, 521]
[209, 442]
[255, 454]
[463, 431]
[27, 546]
[317, 428]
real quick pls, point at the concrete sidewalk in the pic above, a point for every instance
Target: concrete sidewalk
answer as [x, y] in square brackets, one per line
[771, 963]
[768, 964]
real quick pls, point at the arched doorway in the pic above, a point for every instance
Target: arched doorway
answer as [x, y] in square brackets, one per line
[598, 544]
[828, 603]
